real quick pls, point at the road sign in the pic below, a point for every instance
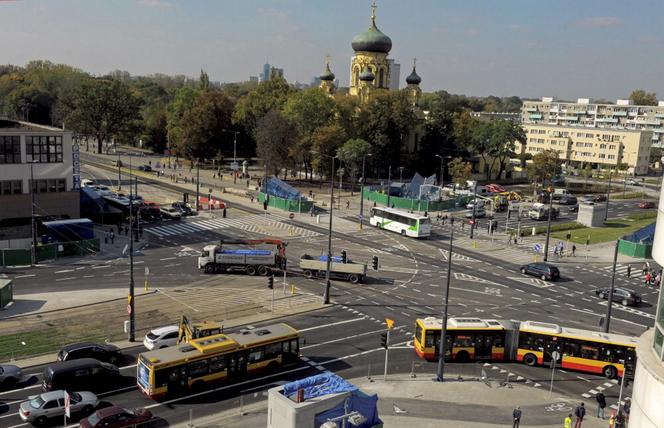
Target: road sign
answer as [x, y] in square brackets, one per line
[360, 216]
[67, 405]
[129, 309]
[537, 248]
[235, 166]
[555, 355]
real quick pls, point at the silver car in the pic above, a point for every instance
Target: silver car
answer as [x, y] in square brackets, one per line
[10, 374]
[39, 408]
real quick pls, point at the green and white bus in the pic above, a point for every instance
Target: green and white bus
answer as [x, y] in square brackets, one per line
[405, 223]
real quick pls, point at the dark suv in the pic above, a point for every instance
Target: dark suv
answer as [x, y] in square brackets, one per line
[621, 295]
[106, 352]
[183, 208]
[544, 271]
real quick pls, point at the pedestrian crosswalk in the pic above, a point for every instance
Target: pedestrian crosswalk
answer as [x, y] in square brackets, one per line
[253, 224]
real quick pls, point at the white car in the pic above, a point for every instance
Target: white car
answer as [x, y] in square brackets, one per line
[39, 408]
[162, 337]
[471, 204]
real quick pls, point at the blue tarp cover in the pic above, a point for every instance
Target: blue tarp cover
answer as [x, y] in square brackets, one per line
[283, 190]
[359, 402]
[335, 259]
[316, 386]
[642, 236]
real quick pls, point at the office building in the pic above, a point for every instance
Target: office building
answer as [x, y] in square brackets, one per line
[48, 156]
[648, 389]
[395, 71]
[489, 116]
[265, 75]
[601, 148]
[583, 113]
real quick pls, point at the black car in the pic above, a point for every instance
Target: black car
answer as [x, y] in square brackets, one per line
[543, 270]
[568, 200]
[146, 168]
[102, 352]
[83, 374]
[183, 208]
[621, 295]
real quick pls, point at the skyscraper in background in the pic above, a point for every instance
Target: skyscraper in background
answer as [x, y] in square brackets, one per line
[395, 74]
[265, 75]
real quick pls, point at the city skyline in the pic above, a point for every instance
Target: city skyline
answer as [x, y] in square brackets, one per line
[514, 48]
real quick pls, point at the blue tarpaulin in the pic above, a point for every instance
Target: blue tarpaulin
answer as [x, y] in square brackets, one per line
[642, 236]
[247, 252]
[366, 405]
[278, 188]
[315, 386]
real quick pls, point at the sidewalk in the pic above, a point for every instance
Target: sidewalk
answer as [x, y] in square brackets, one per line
[427, 404]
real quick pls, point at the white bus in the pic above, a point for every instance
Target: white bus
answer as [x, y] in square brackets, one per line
[405, 223]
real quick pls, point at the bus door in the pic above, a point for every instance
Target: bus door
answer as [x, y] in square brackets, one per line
[483, 346]
[550, 345]
[178, 380]
[237, 365]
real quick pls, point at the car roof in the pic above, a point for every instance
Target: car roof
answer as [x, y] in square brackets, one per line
[111, 410]
[163, 330]
[74, 364]
[53, 395]
[80, 345]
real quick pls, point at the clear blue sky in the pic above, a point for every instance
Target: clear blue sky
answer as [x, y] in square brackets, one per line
[563, 48]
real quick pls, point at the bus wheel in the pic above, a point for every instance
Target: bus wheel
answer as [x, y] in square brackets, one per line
[403, 232]
[610, 372]
[462, 357]
[209, 268]
[251, 270]
[530, 360]
[199, 385]
[262, 271]
[308, 274]
[353, 278]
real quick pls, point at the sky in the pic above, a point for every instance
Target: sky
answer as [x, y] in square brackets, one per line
[564, 48]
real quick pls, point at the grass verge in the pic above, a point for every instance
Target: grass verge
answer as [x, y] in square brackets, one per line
[38, 342]
[612, 230]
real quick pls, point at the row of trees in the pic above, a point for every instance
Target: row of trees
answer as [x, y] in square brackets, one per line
[290, 129]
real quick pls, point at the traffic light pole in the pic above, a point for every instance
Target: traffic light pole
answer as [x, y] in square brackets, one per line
[326, 292]
[131, 307]
[609, 302]
[548, 227]
[387, 348]
[440, 372]
[472, 220]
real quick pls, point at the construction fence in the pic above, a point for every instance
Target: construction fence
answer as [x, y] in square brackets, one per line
[22, 257]
[300, 205]
[415, 204]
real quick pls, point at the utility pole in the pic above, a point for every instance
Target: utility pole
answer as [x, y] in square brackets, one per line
[33, 252]
[119, 175]
[389, 179]
[198, 181]
[609, 302]
[443, 331]
[472, 220]
[131, 305]
[235, 156]
[326, 293]
[608, 193]
[548, 225]
[364, 158]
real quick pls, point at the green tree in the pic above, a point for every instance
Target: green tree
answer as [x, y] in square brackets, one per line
[502, 142]
[643, 98]
[587, 172]
[543, 167]
[309, 109]
[204, 124]
[267, 96]
[352, 154]
[326, 140]
[183, 101]
[275, 133]
[104, 109]
[460, 170]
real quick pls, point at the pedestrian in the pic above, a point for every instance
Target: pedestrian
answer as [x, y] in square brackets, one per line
[626, 409]
[112, 236]
[221, 177]
[573, 249]
[579, 412]
[105, 237]
[567, 423]
[515, 240]
[644, 270]
[601, 404]
[347, 204]
[658, 279]
[251, 198]
[620, 420]
[311, 211]
[462, 223]
[648, 278]
[516, 416]
[629, 271]
[612, 419]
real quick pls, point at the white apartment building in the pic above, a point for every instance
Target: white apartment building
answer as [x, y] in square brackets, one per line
[47, 154]
[583, 113]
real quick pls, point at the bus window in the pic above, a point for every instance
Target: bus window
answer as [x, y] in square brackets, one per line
[498, 341]
[256, 355]
[589, 351]
[273, 350]
[418, 333]
[217, 364]
[463, 341]
[426, 220]
[432, 338]
[198, 368]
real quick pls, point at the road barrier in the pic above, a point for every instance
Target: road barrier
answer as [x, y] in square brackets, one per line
[22, 257]
[291, 205]
[415, 204]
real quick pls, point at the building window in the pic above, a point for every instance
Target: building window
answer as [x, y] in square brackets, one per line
[11, 187]
[50, 185]
[612, 156]
[10, 149]
[381, 77]
[43, 149]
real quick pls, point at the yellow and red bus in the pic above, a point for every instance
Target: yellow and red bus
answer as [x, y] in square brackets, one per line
[582, 350]
[529, 342]
[467, 339]
[217, 358]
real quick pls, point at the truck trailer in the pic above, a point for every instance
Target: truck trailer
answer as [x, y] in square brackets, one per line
[243, 256]
[317, 267]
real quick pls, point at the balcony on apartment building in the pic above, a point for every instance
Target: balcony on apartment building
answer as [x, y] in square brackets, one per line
[535, 116]
[531, 109]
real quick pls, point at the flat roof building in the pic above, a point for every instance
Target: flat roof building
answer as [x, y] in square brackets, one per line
[585, 114]
[44, 156]
[577, 147]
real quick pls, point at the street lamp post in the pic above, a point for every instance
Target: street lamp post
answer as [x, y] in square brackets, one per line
[364, 158]
[131, 306]
[472, 219]
[234, 151]
[608, 192]
[389, 184]
[548, 226]
[198, 181]
[33, 252]
[443, 331]
[400, 174]
[609, 302]
[326, 293]
[442, 163]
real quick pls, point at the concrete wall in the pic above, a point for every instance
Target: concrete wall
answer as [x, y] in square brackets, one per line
[648, 391]
[591, 215]
[58, 204]
[285, 413]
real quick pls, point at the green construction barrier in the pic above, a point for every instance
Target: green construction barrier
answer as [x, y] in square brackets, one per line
[22, 257]
[634, 249]
[6, 292]
[15, 257]
[294, 206]
[415, 204]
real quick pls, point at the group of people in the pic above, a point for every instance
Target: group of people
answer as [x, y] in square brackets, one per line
[575, 420]
[651, 276]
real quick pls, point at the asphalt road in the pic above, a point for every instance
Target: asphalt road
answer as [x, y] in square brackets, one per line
[345, 338]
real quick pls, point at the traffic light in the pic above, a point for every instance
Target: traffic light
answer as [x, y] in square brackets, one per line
[374, 263]
[270, 282]
[383, 340]
[344, 257]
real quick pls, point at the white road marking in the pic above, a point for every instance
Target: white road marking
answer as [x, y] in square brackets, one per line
[332, 324]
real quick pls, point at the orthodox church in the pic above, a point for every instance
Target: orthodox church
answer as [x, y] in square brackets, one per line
[370, 73]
